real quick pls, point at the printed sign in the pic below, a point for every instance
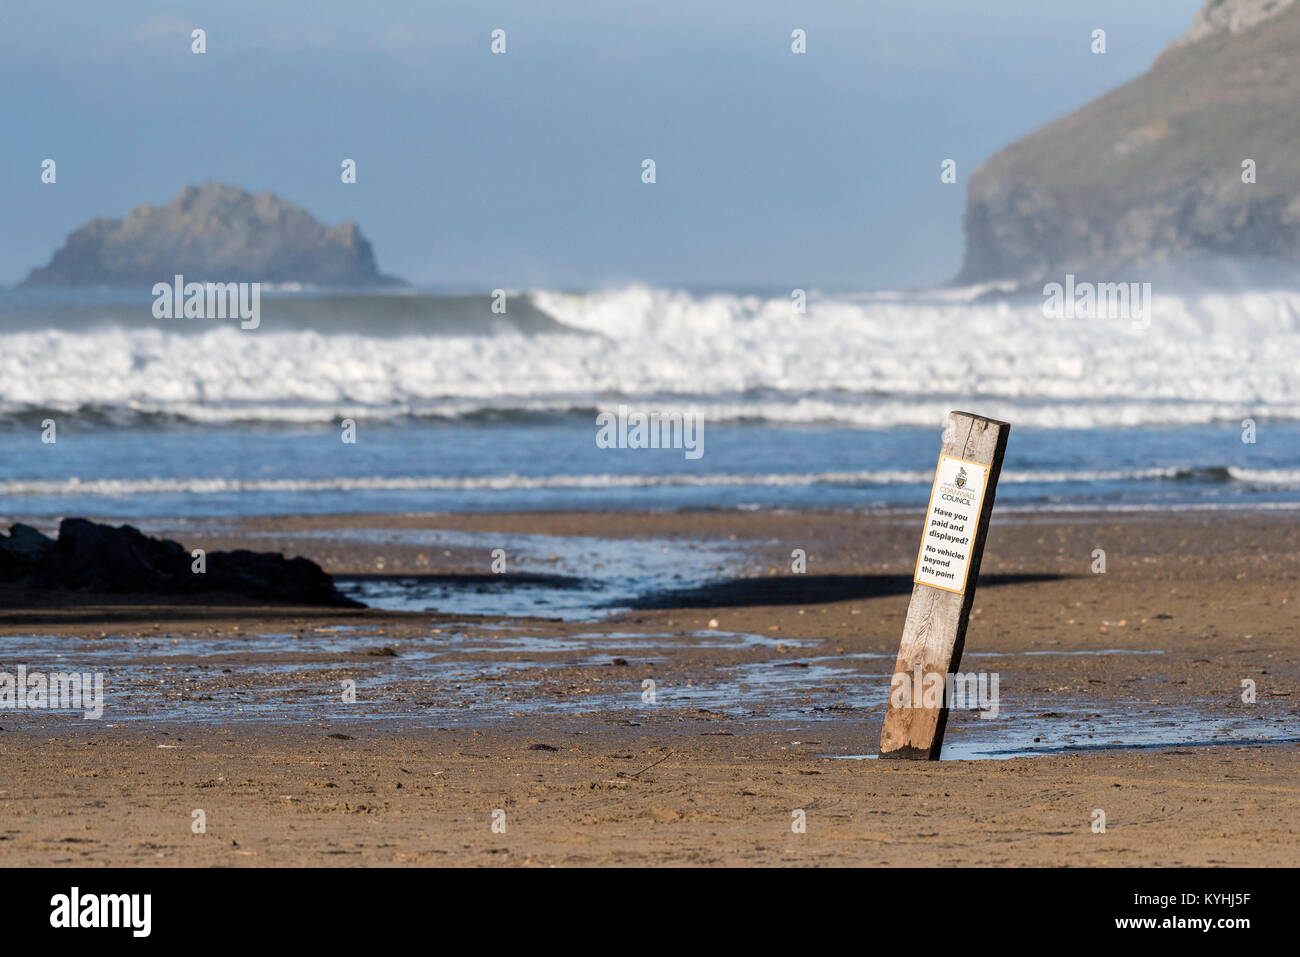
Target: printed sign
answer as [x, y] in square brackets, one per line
[950, 523]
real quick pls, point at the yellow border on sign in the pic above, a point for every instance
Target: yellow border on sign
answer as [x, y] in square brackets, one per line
[979, 510]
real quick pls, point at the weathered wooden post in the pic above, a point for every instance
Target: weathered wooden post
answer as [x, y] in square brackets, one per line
[943, 589]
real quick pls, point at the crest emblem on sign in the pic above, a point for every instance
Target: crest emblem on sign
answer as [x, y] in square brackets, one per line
[960, 480]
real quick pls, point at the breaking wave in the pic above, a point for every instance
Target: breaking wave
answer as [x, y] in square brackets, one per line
[1281, 478]
[871, 361]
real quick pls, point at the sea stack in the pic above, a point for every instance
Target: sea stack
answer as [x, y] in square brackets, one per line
[214, 233]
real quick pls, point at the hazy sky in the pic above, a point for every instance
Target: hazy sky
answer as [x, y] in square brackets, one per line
[524, 169]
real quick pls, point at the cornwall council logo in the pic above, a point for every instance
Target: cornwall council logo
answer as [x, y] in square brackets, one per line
[960, 480]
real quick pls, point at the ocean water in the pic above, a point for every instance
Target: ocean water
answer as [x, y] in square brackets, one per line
[460, 408]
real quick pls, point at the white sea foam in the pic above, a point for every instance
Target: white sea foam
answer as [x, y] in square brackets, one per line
[870, 360]
[513, 482]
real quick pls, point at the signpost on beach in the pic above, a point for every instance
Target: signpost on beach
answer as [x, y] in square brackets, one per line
[943, 589]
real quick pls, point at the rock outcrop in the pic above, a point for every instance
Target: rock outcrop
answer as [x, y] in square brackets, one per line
[100, 558]
[213, 233]
[1152, 172]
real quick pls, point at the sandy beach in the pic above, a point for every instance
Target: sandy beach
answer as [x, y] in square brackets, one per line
[1120, 692]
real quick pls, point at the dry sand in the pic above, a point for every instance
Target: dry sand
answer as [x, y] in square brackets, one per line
[458, 717]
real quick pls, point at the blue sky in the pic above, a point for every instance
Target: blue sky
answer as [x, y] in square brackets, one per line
[523, 170]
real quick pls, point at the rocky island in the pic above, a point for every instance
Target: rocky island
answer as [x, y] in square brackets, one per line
[215, 233]
[1156, 171]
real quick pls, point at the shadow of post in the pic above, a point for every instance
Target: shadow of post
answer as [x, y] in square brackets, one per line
[802, 590]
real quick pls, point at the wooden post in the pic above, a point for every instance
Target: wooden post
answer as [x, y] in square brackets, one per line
[943, 590]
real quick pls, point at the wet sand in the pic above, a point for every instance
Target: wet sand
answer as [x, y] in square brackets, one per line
[1124, 686]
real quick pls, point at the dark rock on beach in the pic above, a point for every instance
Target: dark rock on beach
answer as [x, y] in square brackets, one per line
[90, 557]
[213, 233]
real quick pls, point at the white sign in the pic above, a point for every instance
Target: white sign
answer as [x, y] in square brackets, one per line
[950, 523]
